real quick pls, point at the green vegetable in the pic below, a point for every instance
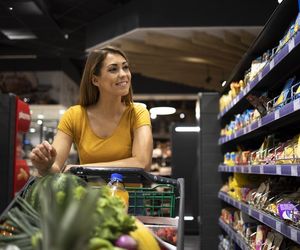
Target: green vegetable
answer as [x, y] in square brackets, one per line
[112, 221]
[57, 182]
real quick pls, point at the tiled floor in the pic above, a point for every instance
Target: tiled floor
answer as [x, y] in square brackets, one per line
[191, 242]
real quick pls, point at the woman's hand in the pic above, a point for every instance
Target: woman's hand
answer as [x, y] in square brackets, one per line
[43, 157]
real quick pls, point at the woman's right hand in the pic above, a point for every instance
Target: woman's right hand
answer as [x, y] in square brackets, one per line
[43, 156]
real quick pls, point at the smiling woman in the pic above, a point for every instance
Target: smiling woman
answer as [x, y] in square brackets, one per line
[107, 127]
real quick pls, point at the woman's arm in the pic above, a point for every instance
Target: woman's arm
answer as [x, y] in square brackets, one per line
[141, 152]
[62, 143]
[50, 158]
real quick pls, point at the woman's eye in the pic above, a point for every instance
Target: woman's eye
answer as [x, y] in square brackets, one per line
[126, 68]
[112, 70]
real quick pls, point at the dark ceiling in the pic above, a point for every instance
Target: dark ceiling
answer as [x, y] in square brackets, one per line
[55, 34]
[58, 27]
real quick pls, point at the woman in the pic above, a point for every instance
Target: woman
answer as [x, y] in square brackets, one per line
[107, 127]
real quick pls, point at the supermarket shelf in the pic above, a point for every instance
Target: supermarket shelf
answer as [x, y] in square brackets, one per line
[286, 54]
[285, 169]
[277, 116]
[269, 220]
[234, 235]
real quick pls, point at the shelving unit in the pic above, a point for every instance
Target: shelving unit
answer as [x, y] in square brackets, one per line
[238, 239]
[272, 76]
[290, 232]
[289, 111]
[272, 70]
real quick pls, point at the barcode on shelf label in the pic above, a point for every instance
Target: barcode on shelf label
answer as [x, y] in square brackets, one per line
[277, 115]
[243, 169]
[278, 226]
[272, 64]
[259, 122]
[248, 128]
[244, 130]
[261, 169]
[294, 170]
[293, 234]
[249, 211]
[248, 87]
[296, 104]
[259, 76]
[260, 216]
[278, 169]
[291, 44]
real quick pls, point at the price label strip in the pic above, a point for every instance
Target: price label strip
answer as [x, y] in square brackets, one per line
[296, 104]
[272, 64]
[277, 115]
[291, 44]
[278, 169]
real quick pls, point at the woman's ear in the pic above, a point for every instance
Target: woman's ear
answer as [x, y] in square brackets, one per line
[95, 80]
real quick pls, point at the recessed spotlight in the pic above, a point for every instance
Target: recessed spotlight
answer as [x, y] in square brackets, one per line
[182, 115]
[32, 130]
[66, 36]
[163, 110]
[10, 8]
[280, 1]
[224, 83]
[39, 122]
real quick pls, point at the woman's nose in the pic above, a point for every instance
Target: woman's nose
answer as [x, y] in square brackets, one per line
[122, 72]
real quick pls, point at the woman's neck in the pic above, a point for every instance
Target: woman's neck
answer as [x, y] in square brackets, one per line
[110, 106]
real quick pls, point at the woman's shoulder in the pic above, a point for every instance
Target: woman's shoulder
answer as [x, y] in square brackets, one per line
[138, 107]
[75, 110]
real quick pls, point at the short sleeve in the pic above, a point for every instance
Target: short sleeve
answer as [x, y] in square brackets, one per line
[142, 116]
[66, 122]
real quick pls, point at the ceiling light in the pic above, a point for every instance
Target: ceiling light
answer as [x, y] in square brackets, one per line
[182, 115]
[153, 116]
[224, 83]
[18, 34]
[10, 8]
[187, 129]
[193, 59]
[61, 111]
[40, 116]
[280, 1]
[163, 110]
[39, 122]
[32, 130]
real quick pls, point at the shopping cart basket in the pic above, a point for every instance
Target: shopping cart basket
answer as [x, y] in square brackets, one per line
[158, 200]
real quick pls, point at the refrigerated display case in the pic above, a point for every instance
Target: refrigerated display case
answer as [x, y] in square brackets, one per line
[14, 123]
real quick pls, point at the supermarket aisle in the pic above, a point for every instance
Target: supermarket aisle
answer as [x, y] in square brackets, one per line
[191, 242]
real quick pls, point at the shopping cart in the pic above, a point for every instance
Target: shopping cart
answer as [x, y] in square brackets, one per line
[160, 200]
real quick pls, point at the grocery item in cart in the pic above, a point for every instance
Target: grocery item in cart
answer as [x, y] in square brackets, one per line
[117, 188]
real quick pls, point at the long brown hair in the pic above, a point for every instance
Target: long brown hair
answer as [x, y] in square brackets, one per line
[89, 93]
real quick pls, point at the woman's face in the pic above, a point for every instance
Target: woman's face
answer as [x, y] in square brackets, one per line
[115, 76]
